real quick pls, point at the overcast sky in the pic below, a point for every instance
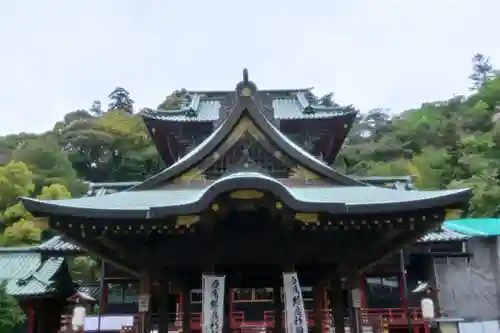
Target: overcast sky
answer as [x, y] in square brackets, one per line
[58, 55]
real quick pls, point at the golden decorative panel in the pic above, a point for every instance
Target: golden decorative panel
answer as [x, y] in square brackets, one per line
[246, 194]
[41, 223]
[246, 92]
[192, 174]
[186, 220]
[307, 217]
[452, 214]
[300, 172]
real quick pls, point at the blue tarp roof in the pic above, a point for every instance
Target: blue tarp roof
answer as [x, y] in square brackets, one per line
[475, 227]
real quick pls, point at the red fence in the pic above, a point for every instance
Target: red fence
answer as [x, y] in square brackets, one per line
[371, 316]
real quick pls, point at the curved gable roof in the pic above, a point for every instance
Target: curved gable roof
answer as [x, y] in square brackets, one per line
[247, 105]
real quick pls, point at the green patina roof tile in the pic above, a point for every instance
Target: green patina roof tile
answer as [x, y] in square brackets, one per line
[18, 265]
[57, 243]
[206, 110]
[443, 235]
[350, 196]
[26, 273]
[54, 244]
[90, 290]
[38, 283]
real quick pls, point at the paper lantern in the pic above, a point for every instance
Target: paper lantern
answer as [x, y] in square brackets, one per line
[427, 306]
[78, 320]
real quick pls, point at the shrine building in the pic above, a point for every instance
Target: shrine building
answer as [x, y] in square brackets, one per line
[249, 194]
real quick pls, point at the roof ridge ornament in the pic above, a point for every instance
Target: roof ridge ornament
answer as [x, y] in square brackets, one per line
[246, 88]
[245, 76]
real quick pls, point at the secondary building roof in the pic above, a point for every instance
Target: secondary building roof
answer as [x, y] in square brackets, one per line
[53, 246]
[27, 274]
[443, 235]
[475, 227]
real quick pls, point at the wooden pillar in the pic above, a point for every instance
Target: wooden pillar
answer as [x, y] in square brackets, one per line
[145, 294]
[228, 308]
[186, 309]
[319, 306]
[163, 298]
[337, 301]
[278, 308]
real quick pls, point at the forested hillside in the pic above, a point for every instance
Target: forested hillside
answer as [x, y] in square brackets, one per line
[443, 144]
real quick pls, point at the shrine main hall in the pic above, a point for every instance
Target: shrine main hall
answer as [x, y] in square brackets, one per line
[249, 194]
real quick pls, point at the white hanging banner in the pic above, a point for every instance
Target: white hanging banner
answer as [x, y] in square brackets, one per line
[213, 303]
[295, 314]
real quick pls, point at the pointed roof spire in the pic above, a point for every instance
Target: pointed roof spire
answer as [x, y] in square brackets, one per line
[245, 76]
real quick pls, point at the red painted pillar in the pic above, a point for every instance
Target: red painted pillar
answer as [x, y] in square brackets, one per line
[104, 298]
[31, 319]
[427, 328]
[180, 315]
[402, 293]
[364, 304]
[230, 307]
[362, 288]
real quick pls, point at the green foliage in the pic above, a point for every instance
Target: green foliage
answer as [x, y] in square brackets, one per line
[175, 101]
[15, 180]
[11, 314]
[50, 165]
[120, 100]
[84, 268]
[446, 144]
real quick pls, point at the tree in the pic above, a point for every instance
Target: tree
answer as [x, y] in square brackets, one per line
[49, 164]
[120, 100]
[84, 268]
[175, 100]
[481, 70]
[24, 228]
[11, 314]
[16, 180]
[96, 109]
[113, 147]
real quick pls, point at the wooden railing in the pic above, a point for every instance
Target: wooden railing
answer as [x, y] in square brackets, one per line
[391, 315]
[370, 317]
[269, 318]
[237, 320]
[394, 317]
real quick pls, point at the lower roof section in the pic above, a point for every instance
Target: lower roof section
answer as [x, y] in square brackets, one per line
[150, 204]
[27, 274]
[51, 246]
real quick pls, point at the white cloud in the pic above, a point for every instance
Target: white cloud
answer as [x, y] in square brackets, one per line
[58, 55]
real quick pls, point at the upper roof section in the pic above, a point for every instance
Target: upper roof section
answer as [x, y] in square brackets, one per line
[186, 118]
[207, 106]
[248, 140]
[247, 151]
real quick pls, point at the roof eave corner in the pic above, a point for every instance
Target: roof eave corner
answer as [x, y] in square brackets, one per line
[36, 207]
